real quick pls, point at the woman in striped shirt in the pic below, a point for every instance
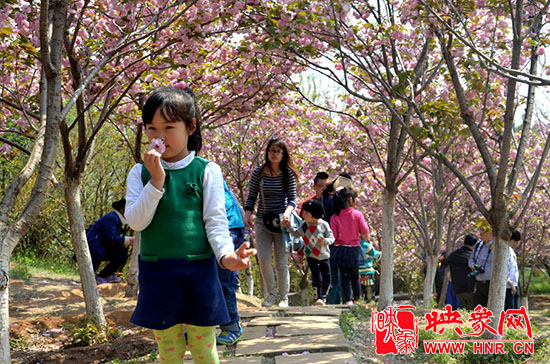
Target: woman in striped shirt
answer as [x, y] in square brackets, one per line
[274, 181]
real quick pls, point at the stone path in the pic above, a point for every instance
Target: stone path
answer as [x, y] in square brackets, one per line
[294, 335]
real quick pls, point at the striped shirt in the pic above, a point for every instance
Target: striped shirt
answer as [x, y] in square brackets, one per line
[274, 190]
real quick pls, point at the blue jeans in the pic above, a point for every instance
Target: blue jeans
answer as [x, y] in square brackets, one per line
[228, 279]
[334, 295]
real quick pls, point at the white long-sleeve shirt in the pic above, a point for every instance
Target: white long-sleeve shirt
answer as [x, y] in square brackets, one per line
[142, 202]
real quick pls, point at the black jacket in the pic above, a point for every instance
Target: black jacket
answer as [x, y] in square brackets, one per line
[458, 262]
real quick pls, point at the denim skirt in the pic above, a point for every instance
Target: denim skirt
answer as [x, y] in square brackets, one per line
[347, 256]
[179, 291]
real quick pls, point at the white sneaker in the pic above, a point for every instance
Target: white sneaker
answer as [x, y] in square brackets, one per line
[319, 302]
[283, 303]
[269, 301]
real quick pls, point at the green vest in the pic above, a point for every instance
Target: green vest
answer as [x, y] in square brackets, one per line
[177, 229]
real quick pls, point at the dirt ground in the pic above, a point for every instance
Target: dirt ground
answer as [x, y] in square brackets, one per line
[44, 313]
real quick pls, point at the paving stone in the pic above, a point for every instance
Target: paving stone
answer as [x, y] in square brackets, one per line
[307, 329]
[251, 313]
[253, 332]
[337, 357]
[292, 320]
[241, 360]
[292, 344]
[313, 310]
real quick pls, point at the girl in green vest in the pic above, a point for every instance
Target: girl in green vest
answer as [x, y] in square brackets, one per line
[177, 201]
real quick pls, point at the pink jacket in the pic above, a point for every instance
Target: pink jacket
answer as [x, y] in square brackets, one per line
[347, 226]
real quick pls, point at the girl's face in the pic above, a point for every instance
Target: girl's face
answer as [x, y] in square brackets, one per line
[174, 135]
[275, 155]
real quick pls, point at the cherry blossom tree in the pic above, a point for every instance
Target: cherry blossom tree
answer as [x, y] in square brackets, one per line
[533, 250]
[364, 49]
[437, 214]
[487, 100]
[44, 114]
[111, 53]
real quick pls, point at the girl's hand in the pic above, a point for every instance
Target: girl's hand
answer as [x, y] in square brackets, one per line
[151, 160]
[248, 219]
[239, 259]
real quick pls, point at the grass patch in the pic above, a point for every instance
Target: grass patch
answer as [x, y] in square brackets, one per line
[543, 355]
[25, 267]
[470, 357]
[349, 319]
[540, 284]
[20, 342]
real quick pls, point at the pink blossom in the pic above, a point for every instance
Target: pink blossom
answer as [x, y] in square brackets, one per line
[398, 35]
[182, 86]
[158, 145]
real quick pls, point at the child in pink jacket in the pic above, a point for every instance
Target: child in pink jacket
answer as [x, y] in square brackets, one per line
[349, 227]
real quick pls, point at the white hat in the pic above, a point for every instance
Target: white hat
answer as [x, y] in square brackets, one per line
[342, 181]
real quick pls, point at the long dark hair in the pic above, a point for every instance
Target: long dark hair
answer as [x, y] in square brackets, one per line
[341, 199]
[176, 104]
[285, 164]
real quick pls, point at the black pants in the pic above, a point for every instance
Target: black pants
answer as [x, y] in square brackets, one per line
[116, 255]
[350, 275]
[466, 300]
[511, 302]
[320, 275]
[481, 293]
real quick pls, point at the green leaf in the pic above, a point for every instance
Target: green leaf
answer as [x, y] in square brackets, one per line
[6, 31]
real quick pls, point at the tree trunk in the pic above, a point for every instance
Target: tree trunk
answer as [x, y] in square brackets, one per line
[133, 268]
[304, 289]
[94, 308]
[385, 298]
[42, 157]
[524, 301]
[7, 239]
[11, 231]
[431, 268]
[444, 288]
[499, 271]
[304, 286]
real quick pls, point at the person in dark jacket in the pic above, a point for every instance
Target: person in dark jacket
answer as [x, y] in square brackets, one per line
[107, 243]
[463, 283]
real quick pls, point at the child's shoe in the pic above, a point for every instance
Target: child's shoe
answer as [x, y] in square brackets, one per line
[348, 303]
[283, 303]
[113, 279]
[269, 301]
[100, 280]
[230, 337]
[319, 302]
